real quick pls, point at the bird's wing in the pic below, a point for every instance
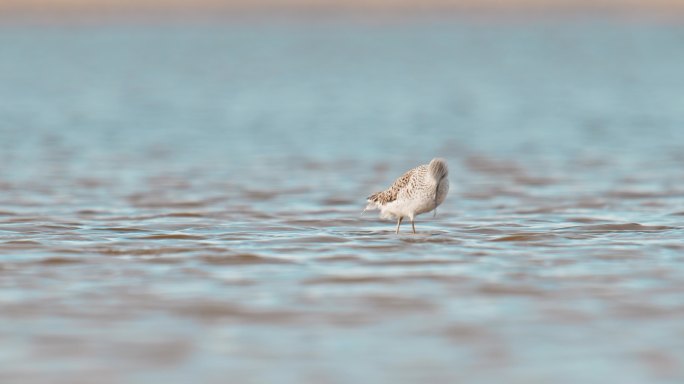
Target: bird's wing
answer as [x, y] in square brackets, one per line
[391, 194]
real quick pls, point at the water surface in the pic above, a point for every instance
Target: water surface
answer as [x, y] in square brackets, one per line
[182, 203]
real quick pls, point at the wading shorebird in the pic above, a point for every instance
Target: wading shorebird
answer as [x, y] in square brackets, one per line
[420, 190]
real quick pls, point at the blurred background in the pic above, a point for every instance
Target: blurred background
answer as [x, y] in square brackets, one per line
[181, 186]
[389, 5]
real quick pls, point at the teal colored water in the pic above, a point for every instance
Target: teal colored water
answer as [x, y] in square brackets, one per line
[181, 203]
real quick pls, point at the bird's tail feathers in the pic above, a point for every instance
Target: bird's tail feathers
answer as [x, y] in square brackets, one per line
[438, 168]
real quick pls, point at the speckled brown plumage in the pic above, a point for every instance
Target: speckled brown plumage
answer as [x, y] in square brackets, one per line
[417, 191]
[391, 194]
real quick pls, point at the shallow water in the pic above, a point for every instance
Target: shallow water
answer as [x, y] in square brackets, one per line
[182, 203]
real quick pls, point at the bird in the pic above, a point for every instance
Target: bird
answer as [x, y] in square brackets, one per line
[419, 190]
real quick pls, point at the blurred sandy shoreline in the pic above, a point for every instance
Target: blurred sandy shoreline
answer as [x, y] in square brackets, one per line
[47, 10]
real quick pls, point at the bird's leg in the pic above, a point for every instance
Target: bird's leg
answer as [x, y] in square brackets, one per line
[399, 224]
[413, 225]
[435, 198]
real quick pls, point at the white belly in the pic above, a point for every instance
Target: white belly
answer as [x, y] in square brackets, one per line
[412, 206]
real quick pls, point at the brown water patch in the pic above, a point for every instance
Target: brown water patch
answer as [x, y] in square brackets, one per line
[492, 166]
[161, 352]
[126, 218]
[26, 219]
[585, 220]
[397, 303]
[547, 262]
[60, 343]
[7, 213]
[121, 229]
[433, 238]
[380, 247]
[143, 251]
[22, 242]
[340, 259]
[591, 203]
[533, 181]
[375, 279]
[164, 260]
[212, 310]
[61, 261]
[494, 192]
[484, 230]
[266, 228]
[153, 217]
[173, 236]
[643, 310]
[628, 227]
[252, 215]
[267, 195]
[366, 279]
[662, 363]
[514, 290]
[540, 210]
[643, 194]
[619, 255]
[65, 227]
[20, 245]
[414, 262]
[88, 182]
[183, 214]
[260, 195]
[155, 202]
[481, 254]
[340, 215]
[90, 212]
[343, 319]
[603, 280]
[467, 333]
[653, 204]
[163, 182]
[314, 223]
[566, 315]
[238, 282]
[242, 259]
[70, 251]
[521, 237]
[336, 201]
